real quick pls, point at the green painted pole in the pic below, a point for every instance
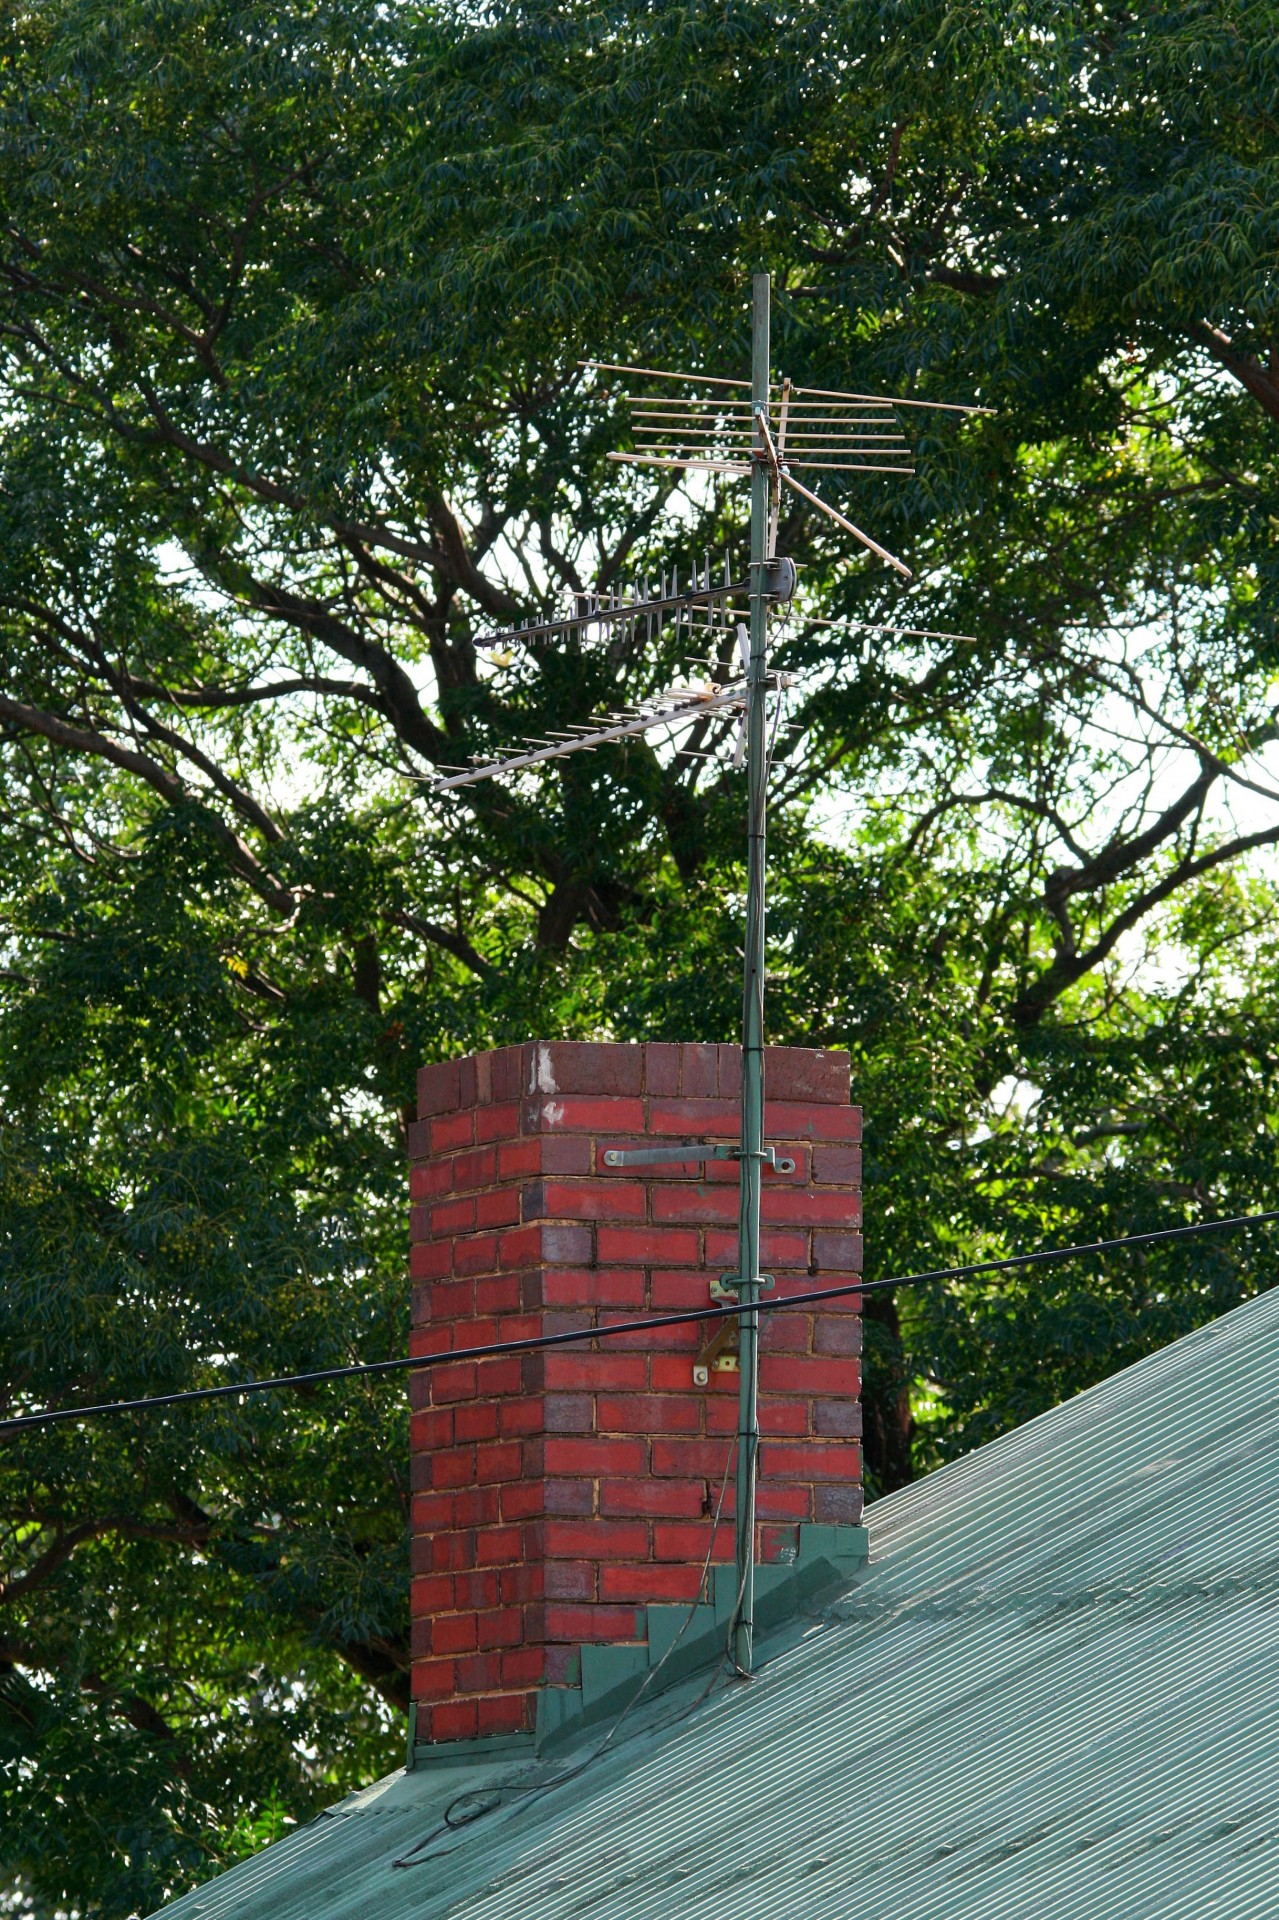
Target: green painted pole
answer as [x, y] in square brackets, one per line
[752, 1142]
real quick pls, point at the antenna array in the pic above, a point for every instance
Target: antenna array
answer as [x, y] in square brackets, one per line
[764, 430]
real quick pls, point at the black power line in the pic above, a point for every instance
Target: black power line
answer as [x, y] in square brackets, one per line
[811, 1296]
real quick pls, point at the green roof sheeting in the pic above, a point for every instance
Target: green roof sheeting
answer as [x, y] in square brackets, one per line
[1054, 1691]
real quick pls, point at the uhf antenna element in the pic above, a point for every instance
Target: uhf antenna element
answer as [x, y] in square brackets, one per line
[767, 431]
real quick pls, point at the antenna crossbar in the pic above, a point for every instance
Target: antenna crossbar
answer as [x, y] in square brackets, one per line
[608, 612]
[692, 707]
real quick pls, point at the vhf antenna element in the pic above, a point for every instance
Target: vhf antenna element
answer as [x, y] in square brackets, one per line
[765, 431]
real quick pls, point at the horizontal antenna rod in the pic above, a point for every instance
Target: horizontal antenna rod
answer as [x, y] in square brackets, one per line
[633, 610]
[692, 708]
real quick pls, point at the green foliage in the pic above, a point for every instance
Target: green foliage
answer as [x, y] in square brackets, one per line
[294, 303]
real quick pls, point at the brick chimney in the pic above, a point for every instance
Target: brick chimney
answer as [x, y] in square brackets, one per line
[562, 1500]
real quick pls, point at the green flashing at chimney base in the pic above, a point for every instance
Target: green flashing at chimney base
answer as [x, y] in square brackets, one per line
[611, 1676]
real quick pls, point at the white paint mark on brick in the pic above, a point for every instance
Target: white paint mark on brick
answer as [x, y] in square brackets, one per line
[553, 1113]
[543, 1074]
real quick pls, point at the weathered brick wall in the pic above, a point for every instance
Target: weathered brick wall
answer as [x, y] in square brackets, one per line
[556, 1493]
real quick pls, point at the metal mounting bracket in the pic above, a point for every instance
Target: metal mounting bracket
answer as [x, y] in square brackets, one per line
[718, 1353]
[690, 1152]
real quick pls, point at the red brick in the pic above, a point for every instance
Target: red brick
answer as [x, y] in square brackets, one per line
[811, 1207]
[451, 1131]
[687, 1118]
[593, 1287]
[479, 1588]
[699, 1072]
[475, 1169]
[498, 1461]
[806, 1073]
[795, 1120]
[452, 1300]
[673, 1372]
[570, 1580]
[566, 1153]
[453, 1467]
[476, 1507]
[780, 1500]
[841, 1506]
[586, 1066]
[781, 1247]
[431, 1593]
[497, 1546]
[585, 1200]
[522, 1666]
[430, 1511]
[479, 1672]
[583, 1372]
[454, 1383]
[838, 1164]
[521, 1247]
[582, 1114]
[837, 1420]
[500, 1208]
[431, 1428]
[499, 1293]
[439, 1088]
[565, 1454]
[688, 1459]
[429, 1261]
[648, 1413]
[521, 1416]
[797, 1373]
[778, 1542]
[498, 1122]
[577, 1624]
[812, 1460]
[453, 1553]
[568, 1413]
[783, 1419]
[474, 1421]
[687, 1541]
[502, 1627]
[665, 1246]
[453, 1633]
[425, 1342]
[667, 1499]
[468, 1082]
[432, 1679]
[671, 1292]
[730, 1073]
[651, 1583]
[430, 1178]
[500, 1713]
[500, 1376]
[455, 1720]
[506, 1073]
[521, 1499]
[695, 1203]
[837, 1252]
[417, 1139]
[519, 1159]
[596, 1539]
[475, 1253]
[837, 1335]
[661, 1068]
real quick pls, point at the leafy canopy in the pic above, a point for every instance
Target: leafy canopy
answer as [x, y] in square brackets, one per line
[294, 305]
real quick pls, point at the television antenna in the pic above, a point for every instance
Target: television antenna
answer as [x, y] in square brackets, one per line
[765, 431]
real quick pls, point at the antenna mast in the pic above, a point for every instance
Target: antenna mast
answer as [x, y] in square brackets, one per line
[752, 1140]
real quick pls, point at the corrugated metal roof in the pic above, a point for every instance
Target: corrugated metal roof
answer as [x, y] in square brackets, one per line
[1054, 1691]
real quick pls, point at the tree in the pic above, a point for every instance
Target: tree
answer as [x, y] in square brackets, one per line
[293, 313]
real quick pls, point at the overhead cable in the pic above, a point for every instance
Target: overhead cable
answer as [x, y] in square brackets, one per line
[807, 1297]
